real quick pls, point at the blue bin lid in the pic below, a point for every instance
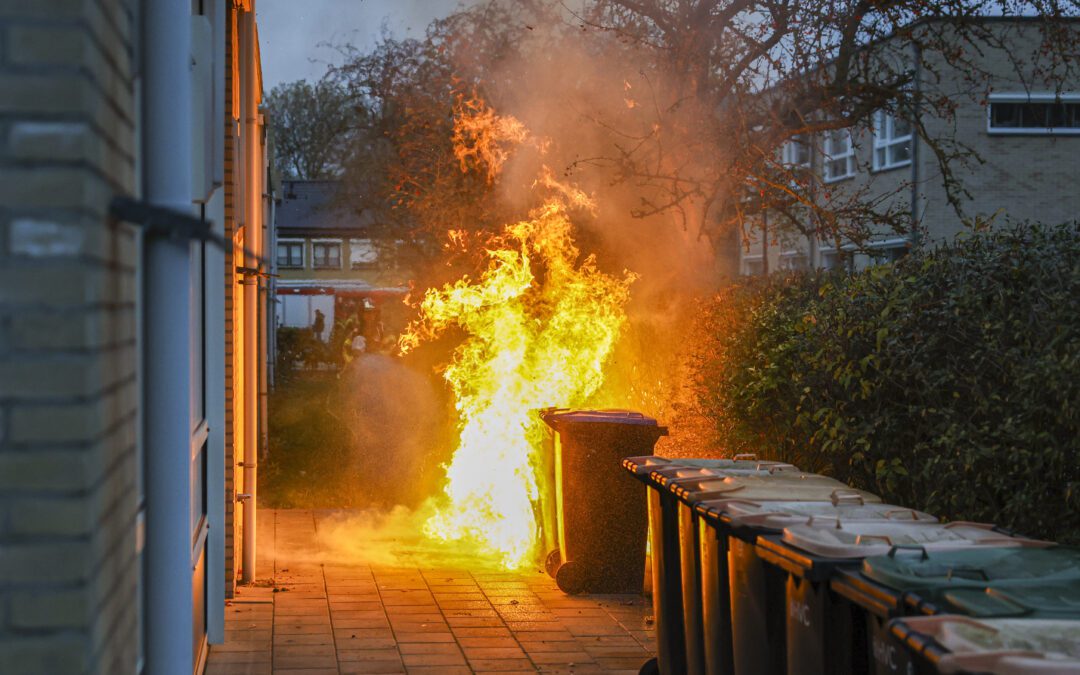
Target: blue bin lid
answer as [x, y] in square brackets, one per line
[556, 417]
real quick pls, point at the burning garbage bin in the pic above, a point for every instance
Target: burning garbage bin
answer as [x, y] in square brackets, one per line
[600, 516]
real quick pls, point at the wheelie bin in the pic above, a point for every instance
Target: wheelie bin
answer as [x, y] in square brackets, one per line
[752, 520]
[742, 599]
[1020, 580]
[665, 553]
[950, 643]
[600, 517]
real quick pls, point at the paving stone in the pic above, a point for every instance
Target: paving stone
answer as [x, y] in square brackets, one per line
[310, 639]
[433, 659]
[501, 665]
[372, 667]
[350, 655]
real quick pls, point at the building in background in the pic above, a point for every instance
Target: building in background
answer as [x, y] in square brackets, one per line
[135, 218]
[332, 262]
[1025, 128]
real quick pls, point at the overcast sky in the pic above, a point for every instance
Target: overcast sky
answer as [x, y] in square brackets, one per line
[290, 31]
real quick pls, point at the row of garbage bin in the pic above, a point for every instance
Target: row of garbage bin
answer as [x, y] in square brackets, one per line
[760, 568]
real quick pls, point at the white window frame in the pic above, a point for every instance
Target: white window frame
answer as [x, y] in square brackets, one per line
[303, 253]
[886, 245]
[789, 152]
[1033, 97]
[884, 139]
[341, 250]
[354, 244]
[829, 156]
[788, 259]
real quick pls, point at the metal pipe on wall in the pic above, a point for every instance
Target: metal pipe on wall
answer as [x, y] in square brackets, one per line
[167, 165]
[265, 311]
[252, 232]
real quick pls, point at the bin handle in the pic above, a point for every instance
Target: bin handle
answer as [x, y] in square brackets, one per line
[841, 496]
[867, 538]
[966, 568]
[923, 555]
[810, 521]
[749, 456]
[777, 468]
[892, 514]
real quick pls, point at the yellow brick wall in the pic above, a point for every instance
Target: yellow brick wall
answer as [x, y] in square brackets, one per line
[68, 396]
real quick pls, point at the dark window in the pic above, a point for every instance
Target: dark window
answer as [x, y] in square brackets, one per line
[1034, 115]
[326, 254]
[290, 254]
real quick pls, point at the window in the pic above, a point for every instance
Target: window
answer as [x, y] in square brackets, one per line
[839, 155]
[326, 254]
[362, 254]
[793, 261]
[796, 152]
[882, 253]
[290, 253]
[832, 259]
[1034, 114]
[892, 141]
[753, 265]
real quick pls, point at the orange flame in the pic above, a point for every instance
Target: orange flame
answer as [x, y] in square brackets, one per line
[541, 324]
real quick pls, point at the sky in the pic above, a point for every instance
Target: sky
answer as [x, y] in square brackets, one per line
[291, 31]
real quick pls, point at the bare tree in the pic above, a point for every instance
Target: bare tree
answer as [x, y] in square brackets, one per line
[733, 80]
[310, 124]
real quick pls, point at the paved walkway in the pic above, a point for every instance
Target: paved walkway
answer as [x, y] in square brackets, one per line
[329, 609]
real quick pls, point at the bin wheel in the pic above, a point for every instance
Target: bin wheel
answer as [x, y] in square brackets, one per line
[571, 577]
[650, 667]
[551, 562]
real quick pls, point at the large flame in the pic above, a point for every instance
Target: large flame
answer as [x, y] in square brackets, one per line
[540, 324]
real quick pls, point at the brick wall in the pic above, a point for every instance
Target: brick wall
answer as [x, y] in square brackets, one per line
[68, 392]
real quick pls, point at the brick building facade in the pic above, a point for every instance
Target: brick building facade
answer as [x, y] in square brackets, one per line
[89, 513]
[1016, 173]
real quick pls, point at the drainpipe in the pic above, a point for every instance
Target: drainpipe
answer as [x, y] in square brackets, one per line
[167, 140]
[252, 227]
[265, 314]
[917, 84]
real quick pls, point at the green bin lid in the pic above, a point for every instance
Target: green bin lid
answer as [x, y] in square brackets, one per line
[1000, 646]
[975, 567]
[1058, 600]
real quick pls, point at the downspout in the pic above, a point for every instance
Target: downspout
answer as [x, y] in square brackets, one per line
[917, 84]
[167, 128]
[252, 227]
[265, 310]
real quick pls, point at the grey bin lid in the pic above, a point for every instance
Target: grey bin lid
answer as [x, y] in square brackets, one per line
[680, 467]
[862, 539]
[777, 515]
[558, 417]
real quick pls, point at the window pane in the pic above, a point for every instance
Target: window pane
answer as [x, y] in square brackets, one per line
[1005, 115]
[901, 127]
[900, 152]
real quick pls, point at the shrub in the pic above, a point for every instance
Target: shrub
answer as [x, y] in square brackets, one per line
[949, 381]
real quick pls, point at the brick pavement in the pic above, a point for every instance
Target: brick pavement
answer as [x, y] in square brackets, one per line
[322, 614]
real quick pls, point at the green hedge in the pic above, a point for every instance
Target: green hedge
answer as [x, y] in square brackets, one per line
[949, 381]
